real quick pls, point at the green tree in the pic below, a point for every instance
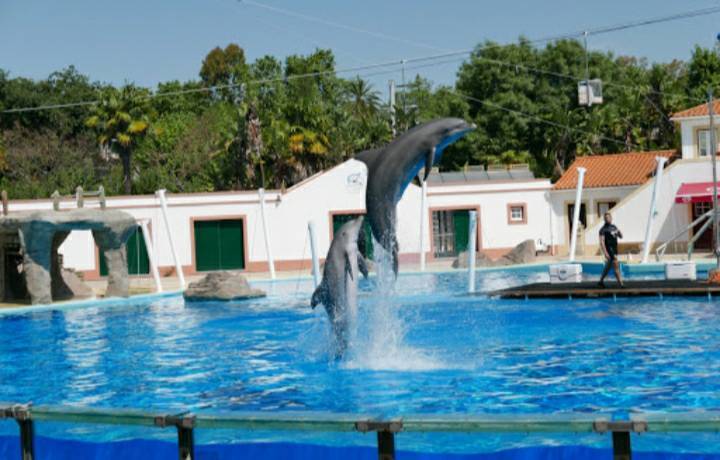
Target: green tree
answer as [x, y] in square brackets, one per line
[226, 68]
[703, 72]
[363, 98]
[121, 119]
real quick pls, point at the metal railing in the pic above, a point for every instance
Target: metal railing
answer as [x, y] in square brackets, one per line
[385, 429]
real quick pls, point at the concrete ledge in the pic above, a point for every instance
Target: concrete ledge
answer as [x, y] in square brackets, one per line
[109, 302]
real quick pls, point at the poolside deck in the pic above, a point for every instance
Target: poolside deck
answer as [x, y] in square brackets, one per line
[633, 288]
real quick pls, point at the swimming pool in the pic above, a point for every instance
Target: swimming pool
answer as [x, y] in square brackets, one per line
[426, 351]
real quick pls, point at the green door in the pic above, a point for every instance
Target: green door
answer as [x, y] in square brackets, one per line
[137, 256]
[219, 245]
[365, 241]
[461, 221]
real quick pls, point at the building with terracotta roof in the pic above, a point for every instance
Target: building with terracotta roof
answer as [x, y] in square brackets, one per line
[623, 183]
[615, 170]
[694, 124]
[609, 179]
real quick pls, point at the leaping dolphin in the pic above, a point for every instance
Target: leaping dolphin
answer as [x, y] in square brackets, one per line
[338, 289]
[390, 170]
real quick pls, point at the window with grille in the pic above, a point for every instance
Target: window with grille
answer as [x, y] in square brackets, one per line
[517, 213]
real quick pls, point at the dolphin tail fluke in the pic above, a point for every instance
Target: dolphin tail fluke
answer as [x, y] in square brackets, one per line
[319, 296]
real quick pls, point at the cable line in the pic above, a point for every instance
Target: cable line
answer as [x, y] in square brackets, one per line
[396, 63]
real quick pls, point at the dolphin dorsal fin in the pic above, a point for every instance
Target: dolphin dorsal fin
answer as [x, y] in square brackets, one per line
[320, 296]
[429, 160]
[368, 156]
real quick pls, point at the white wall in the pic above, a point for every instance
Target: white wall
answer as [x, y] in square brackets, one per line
[493, 200]
[688, 127]
[339, 190]
[631, 215]
[590, 196]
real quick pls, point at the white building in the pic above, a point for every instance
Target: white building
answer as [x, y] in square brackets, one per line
[624, 184]
[224, 230]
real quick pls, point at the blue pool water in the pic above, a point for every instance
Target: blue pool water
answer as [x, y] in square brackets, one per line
[426, 349]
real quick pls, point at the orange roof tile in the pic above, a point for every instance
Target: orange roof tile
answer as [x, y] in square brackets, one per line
[698, 111]
[613, 170]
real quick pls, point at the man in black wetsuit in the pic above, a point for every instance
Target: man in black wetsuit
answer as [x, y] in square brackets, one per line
[609, 235]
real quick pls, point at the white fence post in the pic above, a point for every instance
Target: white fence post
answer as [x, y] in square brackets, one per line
[576, 213]
[472, 248]
[653, 204]
[266, 234]
[313, 252]
[423, 220]
[178, 267]
[151, 255]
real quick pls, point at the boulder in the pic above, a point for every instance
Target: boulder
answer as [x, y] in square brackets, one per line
[481, 260]
[77, 288]
[222, 286]
[523, 253]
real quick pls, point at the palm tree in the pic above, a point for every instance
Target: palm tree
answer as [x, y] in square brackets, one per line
[364, 100]
[121, 119]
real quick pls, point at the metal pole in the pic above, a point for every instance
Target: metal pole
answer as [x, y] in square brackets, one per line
[151, 255]
[587, 70]
[163, 207]
[552, 224]
[393, 125]
[622, 449]
[423, 195]
[4, 196]
[713, 152]
[472, 245]
[266, 233]
[27, 438]
[576, 213]
[386, 445]
[404, 99]
[653, 204]
[313, 252]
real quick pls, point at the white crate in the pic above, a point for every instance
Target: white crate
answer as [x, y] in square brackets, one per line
[565, 273]
[680, 270]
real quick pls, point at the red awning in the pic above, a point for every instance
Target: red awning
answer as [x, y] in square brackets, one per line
[695, 192]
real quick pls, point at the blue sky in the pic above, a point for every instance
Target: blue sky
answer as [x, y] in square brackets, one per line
[147, 41]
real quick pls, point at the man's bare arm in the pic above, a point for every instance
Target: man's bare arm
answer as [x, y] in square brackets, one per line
[602, 246]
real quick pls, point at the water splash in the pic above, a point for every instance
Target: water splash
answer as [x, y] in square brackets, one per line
[379, 332]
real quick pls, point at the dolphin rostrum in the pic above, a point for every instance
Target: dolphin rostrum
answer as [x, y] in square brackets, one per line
[391, 168]
[338, 289]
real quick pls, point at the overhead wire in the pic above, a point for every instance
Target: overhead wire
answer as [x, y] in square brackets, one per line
[339, 25]
[401, 62]
[540, 119]
[301, 36]
[585, 33]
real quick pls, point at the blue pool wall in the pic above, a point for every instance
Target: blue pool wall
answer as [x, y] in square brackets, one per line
[48, 448]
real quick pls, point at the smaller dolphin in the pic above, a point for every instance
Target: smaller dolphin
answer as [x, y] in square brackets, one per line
[339, 286]
[391, 168]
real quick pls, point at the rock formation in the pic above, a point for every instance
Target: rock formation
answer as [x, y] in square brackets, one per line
[42, 232]
[222, 286]
[523, 253]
